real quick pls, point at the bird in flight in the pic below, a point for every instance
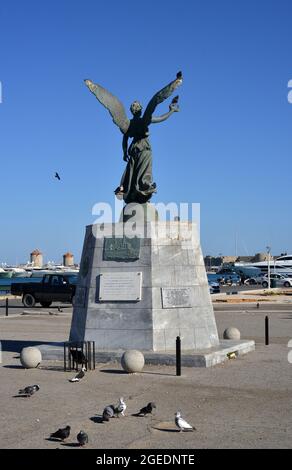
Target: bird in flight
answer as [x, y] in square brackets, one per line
[57, 176]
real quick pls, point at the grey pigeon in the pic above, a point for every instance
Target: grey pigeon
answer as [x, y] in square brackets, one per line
[62, 433]
[108, 412]
[82, 438]
[29, 391]
[181, 423]
[79, 376]
[120, 408]
[146, 410]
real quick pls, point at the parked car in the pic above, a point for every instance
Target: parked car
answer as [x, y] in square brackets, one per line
[252, 281]
[214, 287]
[277, 280]
[52, 288]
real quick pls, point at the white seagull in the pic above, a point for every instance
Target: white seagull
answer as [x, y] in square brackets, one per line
[79, 376]
[181, 423]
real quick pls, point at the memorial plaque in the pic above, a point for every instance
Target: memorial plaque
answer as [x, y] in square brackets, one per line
[121, 249]
[120, 286]
[174, 298]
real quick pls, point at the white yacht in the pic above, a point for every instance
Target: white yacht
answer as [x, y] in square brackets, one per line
[281, 265]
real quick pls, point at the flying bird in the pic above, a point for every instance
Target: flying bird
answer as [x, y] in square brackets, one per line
[29, 391]
[79, 376]
[108, 412]
[121, 407]
[57, 176]
[82, 438]
[146, 410]
[181, 423]
[62, 433]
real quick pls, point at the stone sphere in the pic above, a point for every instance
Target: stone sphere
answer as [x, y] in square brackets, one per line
[30, 357]
[132, 361]
[231, 333]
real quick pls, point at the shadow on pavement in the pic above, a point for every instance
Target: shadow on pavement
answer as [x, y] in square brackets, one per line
[97, 419]
[113, 371]
[11, 345]
[14, 367]
[71, 444]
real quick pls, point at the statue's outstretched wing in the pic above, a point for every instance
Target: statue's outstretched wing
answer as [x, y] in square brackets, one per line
[160, 96]
[114, 106]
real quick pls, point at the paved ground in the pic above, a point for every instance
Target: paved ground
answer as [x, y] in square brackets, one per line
[244, 403]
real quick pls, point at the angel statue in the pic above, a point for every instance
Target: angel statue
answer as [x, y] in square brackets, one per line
[136, 184]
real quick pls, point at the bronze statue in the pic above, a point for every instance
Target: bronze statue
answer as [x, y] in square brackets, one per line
[136, 183]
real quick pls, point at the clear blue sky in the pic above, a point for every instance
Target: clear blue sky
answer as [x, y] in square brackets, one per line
[229, 148]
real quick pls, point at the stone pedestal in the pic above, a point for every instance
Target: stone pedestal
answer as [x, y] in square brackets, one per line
[144, 293]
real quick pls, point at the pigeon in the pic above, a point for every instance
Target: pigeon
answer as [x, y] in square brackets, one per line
[78, 356]
[146, 410]
[181, 423]
[79, 376]
[29, 391]
[57, 176]
[62, 433]
[82, 438]
[108, 412]
[121, 408]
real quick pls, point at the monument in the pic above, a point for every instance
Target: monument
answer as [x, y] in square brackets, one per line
[142, 281]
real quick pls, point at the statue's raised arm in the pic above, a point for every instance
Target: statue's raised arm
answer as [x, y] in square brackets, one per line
[159, 97]
[112, 104]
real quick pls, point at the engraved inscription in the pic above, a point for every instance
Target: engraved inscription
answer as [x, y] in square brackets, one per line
[176, 297]
[121, 249]
[120, 286]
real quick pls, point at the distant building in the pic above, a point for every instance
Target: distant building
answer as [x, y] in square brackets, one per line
[36, 258]
[68, 259]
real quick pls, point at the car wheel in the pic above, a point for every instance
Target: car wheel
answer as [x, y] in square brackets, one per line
[45, 304]
[252, 282]
[287, 284]
[28, 300]
[265, 284]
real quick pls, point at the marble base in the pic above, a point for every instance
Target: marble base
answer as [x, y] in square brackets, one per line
[175, 293]
[200, 358]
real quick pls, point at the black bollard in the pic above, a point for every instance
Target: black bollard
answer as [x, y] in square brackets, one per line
[178, 356]
[267, 330]
[6, 307]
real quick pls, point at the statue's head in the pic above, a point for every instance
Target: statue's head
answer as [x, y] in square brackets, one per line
[136, 108]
